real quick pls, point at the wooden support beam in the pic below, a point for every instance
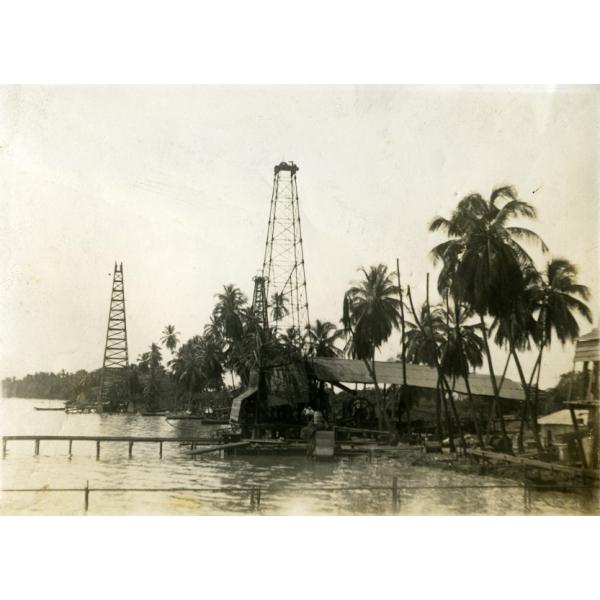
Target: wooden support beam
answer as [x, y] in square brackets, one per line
[578, 437]
[70, 447]
[98, 450]
[37, 447]
[130, 449]
[160, 449]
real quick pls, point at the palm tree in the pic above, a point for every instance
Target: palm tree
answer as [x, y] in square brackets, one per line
[485, 259]
[291, 342]
[151, 362]
[422, 345]
[370, 314]
[227, 312]
[186, 370]
[559, 298]
[170, 338]
[279, 310]
[321, 339]
[516, 330]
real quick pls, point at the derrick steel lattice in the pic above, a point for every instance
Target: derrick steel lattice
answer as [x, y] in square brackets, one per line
[259, 301]
[116, 358]
[283, 263]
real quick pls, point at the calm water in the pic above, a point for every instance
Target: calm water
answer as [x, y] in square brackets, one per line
[289, 485]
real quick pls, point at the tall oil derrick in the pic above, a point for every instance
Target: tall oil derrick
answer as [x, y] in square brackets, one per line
[116, 360]
[283, 263]
[259, 301]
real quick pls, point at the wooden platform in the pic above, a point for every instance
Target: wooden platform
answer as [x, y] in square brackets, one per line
[533, 463]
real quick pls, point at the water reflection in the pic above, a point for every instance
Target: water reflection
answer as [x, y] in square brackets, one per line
[289, 485]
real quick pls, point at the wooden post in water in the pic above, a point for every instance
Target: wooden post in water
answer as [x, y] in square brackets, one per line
[70, 447]
[130, 449]
[97, 449]
[4, 441]
[37, 447]
[160, 449]
[86, 496]
[395, 494]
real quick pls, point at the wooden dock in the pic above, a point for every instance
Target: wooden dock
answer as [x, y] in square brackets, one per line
[100, 439]
[533, 463]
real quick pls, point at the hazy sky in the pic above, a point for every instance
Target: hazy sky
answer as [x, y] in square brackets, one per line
[176, 182]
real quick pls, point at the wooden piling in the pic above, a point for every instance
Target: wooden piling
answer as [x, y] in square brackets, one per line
[98, 450]
[37, 447]
[4, 442]
[395, 494]
[130, 449]
[160, 449]
[70, 447]
[86, 496]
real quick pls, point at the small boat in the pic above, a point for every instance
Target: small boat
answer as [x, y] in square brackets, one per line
[49, 408]
[214, 421]
[156, 413]
[185, 418]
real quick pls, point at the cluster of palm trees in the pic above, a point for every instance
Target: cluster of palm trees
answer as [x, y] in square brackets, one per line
[233, 341]
[489, 289]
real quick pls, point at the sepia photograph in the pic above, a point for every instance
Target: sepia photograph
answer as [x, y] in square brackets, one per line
[299, 300]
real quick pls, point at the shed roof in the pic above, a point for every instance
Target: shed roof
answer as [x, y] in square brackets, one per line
[236, 405]
[355, 371]
[587, 347]
[563, 417]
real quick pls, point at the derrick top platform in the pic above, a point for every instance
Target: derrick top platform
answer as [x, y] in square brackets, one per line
[286, 166]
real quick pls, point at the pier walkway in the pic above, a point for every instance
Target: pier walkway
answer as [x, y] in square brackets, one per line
[100, 439]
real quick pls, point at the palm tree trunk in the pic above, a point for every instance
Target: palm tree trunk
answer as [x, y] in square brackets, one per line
[534, 425]
[492, 410]
[381, 416]
[455, 413]
[438, 416]
[466, 373]
[496, 401]
[537, 385]
[525, 409]
[474, 412]
[447, 416]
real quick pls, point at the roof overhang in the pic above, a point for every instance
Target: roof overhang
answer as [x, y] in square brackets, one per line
[355, 371]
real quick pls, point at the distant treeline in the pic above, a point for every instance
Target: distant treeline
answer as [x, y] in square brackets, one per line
[54, 386]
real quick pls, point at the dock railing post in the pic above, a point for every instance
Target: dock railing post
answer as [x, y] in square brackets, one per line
[395, 494]
[86, 496]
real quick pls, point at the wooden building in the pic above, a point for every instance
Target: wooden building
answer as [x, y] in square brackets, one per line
[584, 395]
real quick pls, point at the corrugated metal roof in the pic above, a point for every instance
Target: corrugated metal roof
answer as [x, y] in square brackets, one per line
[587, 347]
[355, 371]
